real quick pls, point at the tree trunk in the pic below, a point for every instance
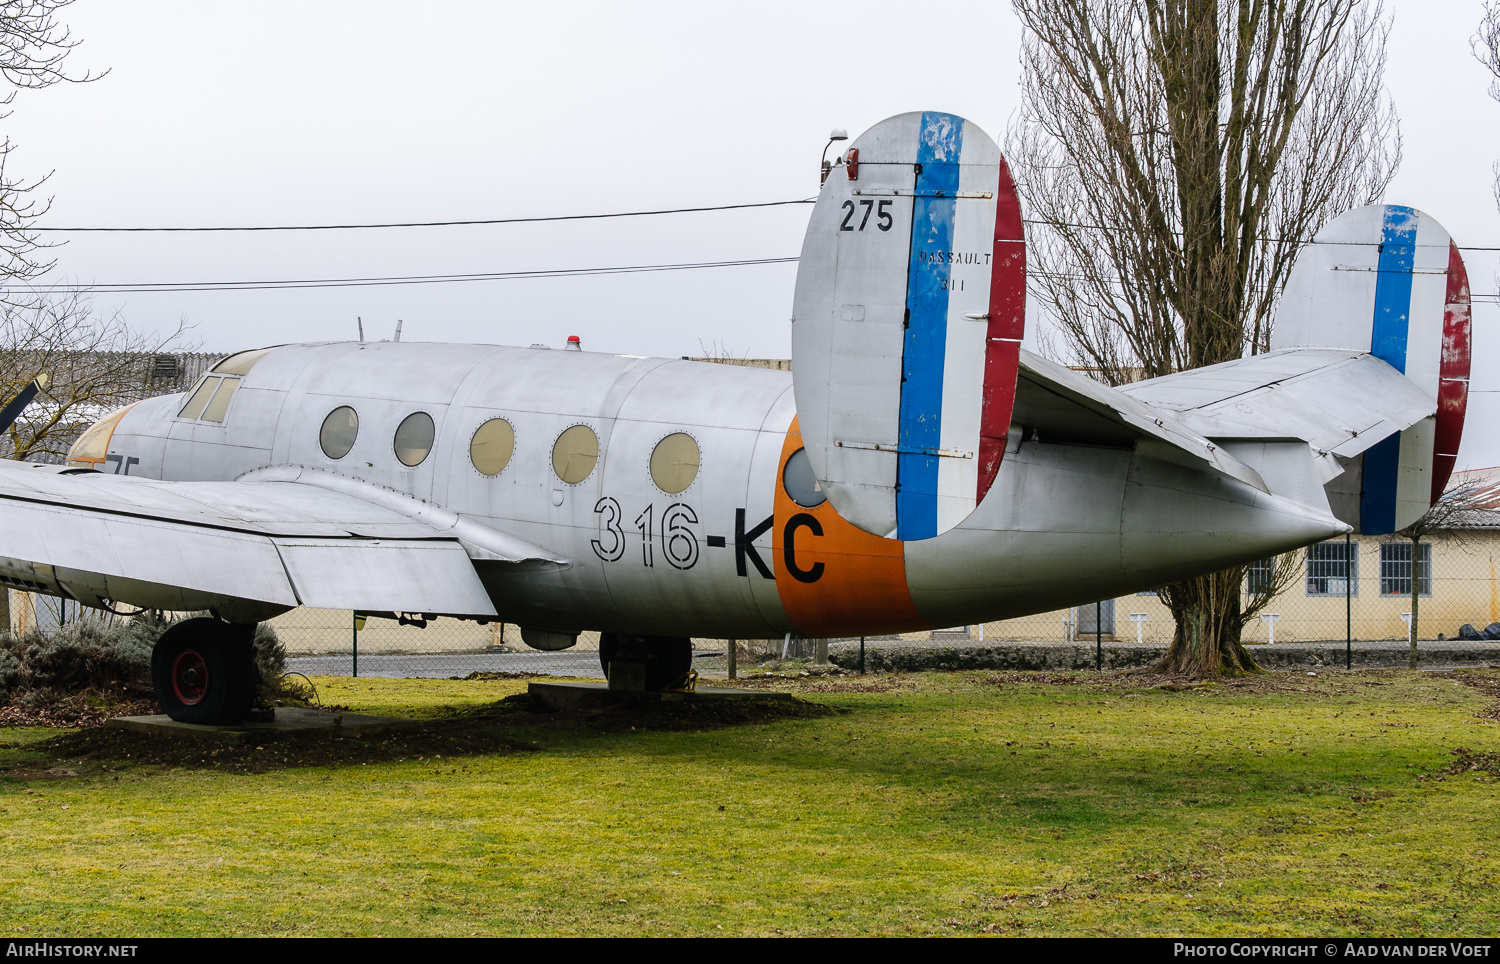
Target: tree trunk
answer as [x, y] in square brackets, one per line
[1209, 619]
[1416, 592]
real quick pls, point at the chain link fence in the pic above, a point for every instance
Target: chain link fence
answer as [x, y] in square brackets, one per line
[1344, 604]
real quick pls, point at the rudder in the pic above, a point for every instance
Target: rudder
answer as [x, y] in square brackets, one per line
[1389, 280]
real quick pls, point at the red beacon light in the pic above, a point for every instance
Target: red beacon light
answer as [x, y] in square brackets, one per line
[574, 344]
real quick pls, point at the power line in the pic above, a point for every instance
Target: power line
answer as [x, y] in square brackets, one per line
[424, 224]
[166, 287]
[562, 217]
[171, 287]
[1100, 227]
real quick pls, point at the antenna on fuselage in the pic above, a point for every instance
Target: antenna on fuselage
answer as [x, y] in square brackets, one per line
[398, 330]
[361, 322]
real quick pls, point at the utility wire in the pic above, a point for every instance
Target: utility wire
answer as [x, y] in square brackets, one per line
[170, 287]
[564, 217]
[427, 224]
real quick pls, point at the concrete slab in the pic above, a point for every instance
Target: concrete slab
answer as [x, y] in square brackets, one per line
[290, 722]
[584, 695]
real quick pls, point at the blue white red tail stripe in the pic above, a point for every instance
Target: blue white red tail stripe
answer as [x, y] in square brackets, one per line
[1389, 328]
[939, 146]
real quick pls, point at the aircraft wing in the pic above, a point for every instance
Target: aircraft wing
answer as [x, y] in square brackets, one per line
[278, 538]
[1341, 402]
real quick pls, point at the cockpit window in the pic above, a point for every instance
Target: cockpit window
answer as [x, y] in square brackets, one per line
[209, 401]
[219, 404]
[198, 397]
[240, 363]
[93, 445]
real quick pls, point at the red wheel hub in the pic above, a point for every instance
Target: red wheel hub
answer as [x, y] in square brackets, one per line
[189, 677]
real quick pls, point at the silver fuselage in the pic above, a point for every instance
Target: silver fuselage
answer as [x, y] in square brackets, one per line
[731, 555]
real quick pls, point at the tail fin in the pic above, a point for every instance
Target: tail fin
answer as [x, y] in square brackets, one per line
[909, 312]
[1388, 280]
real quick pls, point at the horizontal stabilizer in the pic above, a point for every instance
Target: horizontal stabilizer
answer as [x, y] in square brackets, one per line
[1060, 405]
[1339, 402]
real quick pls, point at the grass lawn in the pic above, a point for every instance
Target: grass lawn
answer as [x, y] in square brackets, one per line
[953, 803]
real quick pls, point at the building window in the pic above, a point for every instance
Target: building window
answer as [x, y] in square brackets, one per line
[1395, 569]
[1333, 569]
[164, 368]
[1260, 576]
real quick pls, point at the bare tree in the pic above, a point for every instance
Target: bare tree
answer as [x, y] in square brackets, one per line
[93, 365]
[33, 46]
[1177, 154]
[1486, 46]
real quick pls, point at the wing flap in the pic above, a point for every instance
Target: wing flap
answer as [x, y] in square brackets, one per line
[432, 577]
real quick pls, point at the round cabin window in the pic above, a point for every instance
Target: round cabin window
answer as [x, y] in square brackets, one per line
[492, 446]
[800, 483]
[575, 453]
[414, 438]
[339, 431]
[674, 463]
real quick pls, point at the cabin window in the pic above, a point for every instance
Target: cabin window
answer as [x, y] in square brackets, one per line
[800, 483]
[575, 453]
[674, 462]
[492, 446]
[414, 438]
[339, 431]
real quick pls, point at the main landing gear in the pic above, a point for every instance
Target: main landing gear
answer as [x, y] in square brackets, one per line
[204, 671]
[667, 659]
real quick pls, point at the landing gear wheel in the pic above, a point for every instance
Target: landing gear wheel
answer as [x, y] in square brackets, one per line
[203, 671]
[667, 658]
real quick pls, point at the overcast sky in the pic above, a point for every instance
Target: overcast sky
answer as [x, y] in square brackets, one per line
[336, 112]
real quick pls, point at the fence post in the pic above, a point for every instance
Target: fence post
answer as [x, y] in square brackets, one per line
[861, 656]
[354, 622]
[734, 646]
[1099, 635]
[1349, 572]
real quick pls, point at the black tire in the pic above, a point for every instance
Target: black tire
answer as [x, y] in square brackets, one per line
[203, 671]
[667, 658]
